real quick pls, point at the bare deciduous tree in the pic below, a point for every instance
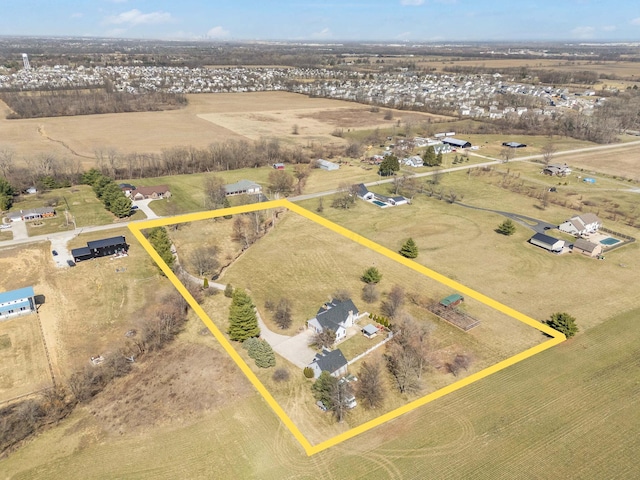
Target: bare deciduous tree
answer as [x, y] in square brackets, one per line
[371, 388]
[392, 305]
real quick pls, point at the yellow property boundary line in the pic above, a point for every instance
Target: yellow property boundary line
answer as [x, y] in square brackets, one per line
[557, 337]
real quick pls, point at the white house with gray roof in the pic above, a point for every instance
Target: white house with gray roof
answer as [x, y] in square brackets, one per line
[580, 225]
[242, 187]
[336, 316]
[333, 362]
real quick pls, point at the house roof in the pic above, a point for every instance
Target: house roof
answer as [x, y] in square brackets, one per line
[106, 242]
[81, 252]
[546, 239]
[456, 142]
[513, 144]
[585, 245]
[241, 186]
[331, 361]
[335, 312]
[146, 191]
[362, 190]
[18, 294]
[588, 218]
[326, 163]
[370, 329]
[453, 298]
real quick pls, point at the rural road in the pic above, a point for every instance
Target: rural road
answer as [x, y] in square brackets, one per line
[43, 238]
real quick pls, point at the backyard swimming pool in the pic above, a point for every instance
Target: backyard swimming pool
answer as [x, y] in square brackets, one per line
[609, 241]
[379, 203]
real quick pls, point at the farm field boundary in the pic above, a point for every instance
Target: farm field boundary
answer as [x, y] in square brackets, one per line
[310, 449]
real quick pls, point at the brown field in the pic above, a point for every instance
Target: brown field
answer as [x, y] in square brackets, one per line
[621, 69]
[208, 118]
[619, 162]
[23, 363]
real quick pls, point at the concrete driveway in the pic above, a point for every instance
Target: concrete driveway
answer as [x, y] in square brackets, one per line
[59, 244]
[144, 206]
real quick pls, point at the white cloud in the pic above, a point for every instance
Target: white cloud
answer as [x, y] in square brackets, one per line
[411, 2]
[609, 28]
[635, 21]
[324, 33]
[77, 15]
[136, 17]
[217, 32]
[583, 32]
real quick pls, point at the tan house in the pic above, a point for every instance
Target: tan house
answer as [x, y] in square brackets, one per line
[154, 193]
[587, 248]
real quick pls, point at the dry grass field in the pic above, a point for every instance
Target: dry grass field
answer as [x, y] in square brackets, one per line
[209, 118]
[461, 243]
[619, 162]
[88, 308]
[569, 412]
[23, 362]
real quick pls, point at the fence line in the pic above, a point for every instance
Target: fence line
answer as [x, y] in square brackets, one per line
[389, 337]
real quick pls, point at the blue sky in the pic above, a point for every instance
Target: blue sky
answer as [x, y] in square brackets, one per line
[333, 20]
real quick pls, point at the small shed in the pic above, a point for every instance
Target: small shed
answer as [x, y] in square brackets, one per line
[370, 331]
[513, 144]
[452, 300]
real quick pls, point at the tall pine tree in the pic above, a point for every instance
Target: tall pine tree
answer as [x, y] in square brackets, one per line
[243, 322]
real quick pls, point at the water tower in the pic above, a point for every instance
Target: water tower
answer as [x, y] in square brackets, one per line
[25, 61]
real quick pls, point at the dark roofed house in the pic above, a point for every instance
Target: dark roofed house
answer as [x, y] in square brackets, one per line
[81, 254]
[513, 144]
[454, 142]
[336, 316]
[100, 248]
[329, 361]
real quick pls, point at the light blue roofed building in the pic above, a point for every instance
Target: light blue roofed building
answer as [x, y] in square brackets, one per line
[17, 302]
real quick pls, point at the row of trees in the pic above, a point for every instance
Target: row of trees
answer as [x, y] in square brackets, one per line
[76, 102]
[109, 192]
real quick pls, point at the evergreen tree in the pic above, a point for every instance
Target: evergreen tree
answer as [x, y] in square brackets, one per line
[243, 322]
[507, 227]
[371, 275]
[438, 160]
[409, 249]
[226, 204]
[389, 166]
[323, 389]
[205, 283]
[121, 206]
[6, 194]
[429, 157]
[564, 323]
[159, 239]
[264, 355]
[228, 291]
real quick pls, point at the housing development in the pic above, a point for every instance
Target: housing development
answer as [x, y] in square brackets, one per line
[318, 260]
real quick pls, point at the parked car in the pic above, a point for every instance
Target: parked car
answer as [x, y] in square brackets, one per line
[54, 253]
[71, 263]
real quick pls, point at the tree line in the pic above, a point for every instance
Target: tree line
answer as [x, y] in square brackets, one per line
[108, 192]
[87, 102]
